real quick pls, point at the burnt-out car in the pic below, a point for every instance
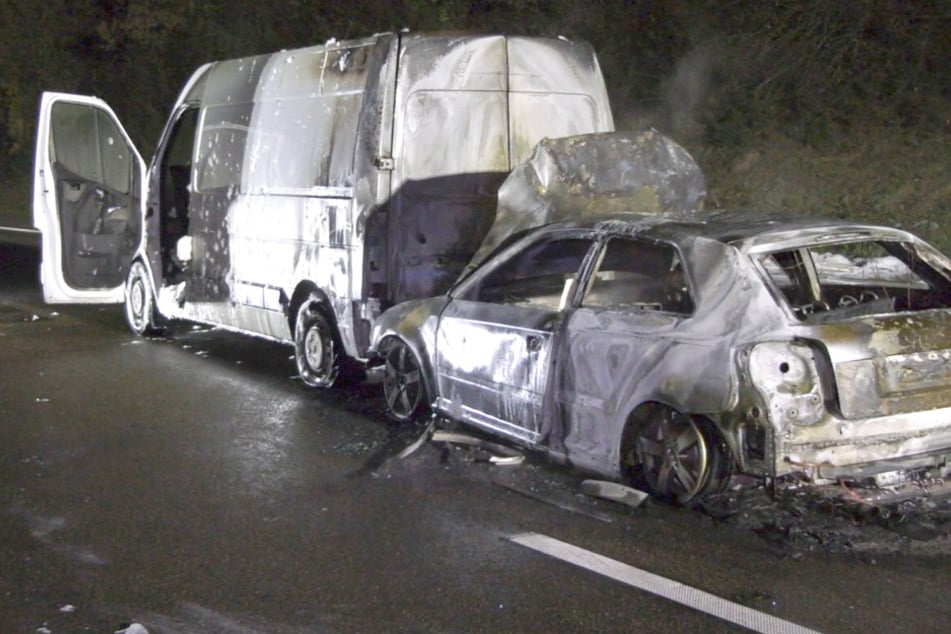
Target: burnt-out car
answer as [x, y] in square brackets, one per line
[678, 351]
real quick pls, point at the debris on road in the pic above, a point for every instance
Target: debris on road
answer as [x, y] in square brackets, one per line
[416, 444]
[564, 503]
[614, 491]
[499, 454]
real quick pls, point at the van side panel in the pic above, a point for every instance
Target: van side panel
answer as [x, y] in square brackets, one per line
[274, 178]
[224, 123]
[293, 220]
[372, 188]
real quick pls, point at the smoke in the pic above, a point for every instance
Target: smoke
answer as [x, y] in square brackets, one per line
[687, 95]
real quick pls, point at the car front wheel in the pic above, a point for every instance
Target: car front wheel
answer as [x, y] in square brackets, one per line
[403, 385]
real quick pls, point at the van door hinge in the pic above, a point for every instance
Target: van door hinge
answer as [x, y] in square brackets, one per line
[384, 163]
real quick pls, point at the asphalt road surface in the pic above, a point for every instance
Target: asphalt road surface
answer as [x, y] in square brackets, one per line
[190, 484]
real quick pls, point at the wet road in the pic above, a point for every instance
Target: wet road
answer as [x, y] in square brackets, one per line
[190, 484]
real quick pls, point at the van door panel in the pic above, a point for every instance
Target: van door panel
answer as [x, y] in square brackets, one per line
[87, 200]
[470, 109]
[222, 139]
[556, 90]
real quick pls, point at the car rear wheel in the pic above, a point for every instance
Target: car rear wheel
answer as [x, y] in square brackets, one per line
[315, 349]
[140, 311]
[677, 459]
[403, 385]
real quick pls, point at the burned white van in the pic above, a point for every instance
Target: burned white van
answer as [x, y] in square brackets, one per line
[295, 195]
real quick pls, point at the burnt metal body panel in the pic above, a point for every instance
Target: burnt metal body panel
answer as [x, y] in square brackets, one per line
[856, 393]
[590, 175]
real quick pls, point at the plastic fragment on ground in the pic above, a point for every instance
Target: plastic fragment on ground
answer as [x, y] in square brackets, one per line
[614, 492]
[416, 444]
[502, 455]
[564, 503]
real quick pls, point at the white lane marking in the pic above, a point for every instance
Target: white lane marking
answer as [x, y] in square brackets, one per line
[661, 586]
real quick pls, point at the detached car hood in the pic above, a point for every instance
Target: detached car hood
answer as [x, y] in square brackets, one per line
[590, 175]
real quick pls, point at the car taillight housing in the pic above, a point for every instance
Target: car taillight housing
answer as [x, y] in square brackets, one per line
[786, 375]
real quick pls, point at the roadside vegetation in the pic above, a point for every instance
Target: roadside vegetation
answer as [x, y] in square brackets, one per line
[839, 108]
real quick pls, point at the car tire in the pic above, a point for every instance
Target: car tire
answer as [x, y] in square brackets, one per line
[404, 386]
[140, 310]
[676, 457]
[315, 346]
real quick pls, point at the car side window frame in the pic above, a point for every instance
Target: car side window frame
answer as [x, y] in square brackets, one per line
[664, 286]
[481, 287]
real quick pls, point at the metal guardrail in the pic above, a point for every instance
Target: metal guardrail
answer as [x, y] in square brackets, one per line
[20, 237]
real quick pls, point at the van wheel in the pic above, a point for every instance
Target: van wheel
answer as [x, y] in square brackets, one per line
[140, 303]
[676, 456]
[315, 349]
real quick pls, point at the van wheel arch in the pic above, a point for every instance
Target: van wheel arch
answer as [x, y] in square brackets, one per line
[318, 348]
[306, 291]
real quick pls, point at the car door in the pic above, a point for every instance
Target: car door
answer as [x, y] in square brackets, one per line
[87, 199]
[622, 341]
[495, 339]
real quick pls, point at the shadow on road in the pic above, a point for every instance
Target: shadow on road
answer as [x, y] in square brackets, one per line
[19, 267]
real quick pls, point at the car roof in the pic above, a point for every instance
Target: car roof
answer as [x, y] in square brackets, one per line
[744, 229]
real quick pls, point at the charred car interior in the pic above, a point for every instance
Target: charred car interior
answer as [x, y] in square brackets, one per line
[862, 277]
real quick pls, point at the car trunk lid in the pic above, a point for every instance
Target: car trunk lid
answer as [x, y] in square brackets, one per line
[891, 364]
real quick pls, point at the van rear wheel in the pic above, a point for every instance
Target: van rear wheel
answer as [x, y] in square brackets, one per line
[318, 361]
[140, 311]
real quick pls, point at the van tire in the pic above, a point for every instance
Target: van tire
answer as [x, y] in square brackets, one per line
[140, 311]
[315, 347]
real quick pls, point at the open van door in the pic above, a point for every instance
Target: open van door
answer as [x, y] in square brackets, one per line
[87, 200]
